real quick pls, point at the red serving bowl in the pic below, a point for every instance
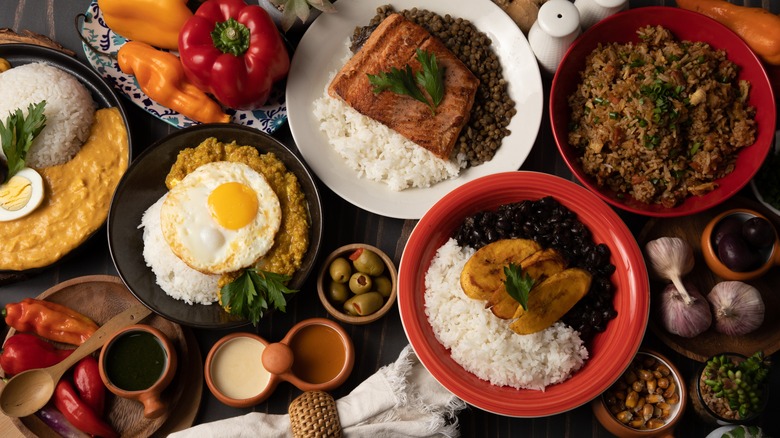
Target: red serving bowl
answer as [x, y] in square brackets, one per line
[685, 25]
[610, 352]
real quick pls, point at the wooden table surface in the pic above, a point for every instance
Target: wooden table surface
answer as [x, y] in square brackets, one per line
[376, 344]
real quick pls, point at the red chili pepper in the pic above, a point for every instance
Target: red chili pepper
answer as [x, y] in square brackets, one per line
[86, 378]
[78, 413]
[233, 51]
[49, 320]
[24, 351]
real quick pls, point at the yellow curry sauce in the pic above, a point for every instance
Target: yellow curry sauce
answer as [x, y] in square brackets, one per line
[76, 201]
[292, 239]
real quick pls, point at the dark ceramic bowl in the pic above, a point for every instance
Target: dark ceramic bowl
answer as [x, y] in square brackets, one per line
[144, 184]
[102, 94]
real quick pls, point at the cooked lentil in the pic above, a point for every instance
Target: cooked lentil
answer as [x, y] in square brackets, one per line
[552, 225]
[493, 108]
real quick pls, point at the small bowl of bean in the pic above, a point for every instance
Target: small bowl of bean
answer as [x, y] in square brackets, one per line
[647, 401]
[357, 283]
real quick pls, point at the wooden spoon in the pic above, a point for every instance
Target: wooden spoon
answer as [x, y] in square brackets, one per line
[29, 391]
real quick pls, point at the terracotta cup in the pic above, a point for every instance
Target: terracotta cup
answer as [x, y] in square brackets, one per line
[154, 406]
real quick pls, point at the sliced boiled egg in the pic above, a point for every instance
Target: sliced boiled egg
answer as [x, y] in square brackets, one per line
[20, 195]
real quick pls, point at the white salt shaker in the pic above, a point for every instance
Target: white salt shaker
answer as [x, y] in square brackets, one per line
[556, 27]
[593, 11]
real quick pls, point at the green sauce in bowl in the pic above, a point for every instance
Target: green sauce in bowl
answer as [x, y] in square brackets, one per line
[135, 361]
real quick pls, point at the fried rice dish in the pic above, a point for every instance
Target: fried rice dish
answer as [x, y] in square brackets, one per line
[660, 120]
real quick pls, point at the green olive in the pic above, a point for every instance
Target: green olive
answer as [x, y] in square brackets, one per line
[337, 292]
[340, 270]
[360, 283]
[369, 262]
[364, 304]
[383, 285]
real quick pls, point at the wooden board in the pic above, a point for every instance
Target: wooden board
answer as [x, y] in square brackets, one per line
[709, 343]
[100, 297]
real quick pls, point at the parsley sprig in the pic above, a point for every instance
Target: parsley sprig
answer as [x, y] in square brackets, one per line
[253, 291]
[405, 82]
[518, 284]
[18, 133]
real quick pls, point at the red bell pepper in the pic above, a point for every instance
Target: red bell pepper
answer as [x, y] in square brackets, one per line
[78, 413]
[233, 51]
[86, 378]
[24, 351]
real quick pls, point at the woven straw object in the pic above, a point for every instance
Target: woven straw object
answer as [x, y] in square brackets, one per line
[313, 414]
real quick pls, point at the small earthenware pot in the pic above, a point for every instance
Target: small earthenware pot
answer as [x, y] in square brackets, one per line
[771, 257]
[137, 347]
[243, 369]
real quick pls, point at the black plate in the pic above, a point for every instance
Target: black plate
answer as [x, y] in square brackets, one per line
[102, 94]
[144, 183]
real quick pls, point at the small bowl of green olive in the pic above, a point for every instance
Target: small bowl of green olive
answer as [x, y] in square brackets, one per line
[357, 283]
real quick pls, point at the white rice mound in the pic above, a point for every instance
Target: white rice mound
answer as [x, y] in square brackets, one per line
[173, 275]
[70, 110]
[483, 344]
[378, 153]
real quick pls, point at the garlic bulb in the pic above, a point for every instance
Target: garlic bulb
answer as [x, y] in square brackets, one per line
[737, 306]
[670, 258]
[680, 318]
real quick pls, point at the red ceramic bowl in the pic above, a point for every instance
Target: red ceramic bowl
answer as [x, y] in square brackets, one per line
[685, 25]
[610, 352]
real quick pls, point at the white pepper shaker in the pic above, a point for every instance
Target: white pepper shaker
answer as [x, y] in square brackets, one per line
[593, 11]
[556, 27]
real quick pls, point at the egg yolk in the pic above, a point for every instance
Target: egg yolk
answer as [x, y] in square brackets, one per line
[16, 193]
[233, 205]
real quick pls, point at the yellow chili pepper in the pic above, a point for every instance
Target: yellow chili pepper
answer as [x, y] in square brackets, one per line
[161, 76]
[155, 22]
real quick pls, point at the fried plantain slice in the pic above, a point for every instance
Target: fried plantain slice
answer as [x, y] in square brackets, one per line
[550, 300]
[484, 271]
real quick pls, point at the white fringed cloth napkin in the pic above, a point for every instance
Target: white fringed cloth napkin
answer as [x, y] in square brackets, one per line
[400, 400]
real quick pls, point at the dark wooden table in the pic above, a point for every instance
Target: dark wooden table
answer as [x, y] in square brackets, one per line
[376, 344]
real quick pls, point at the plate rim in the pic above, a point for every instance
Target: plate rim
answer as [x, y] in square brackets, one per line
[637, 277]
[516, 57]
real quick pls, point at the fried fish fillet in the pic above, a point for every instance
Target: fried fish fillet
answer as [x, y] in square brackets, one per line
[394, 44]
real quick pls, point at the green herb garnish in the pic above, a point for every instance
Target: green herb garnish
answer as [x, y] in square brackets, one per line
[250, 294]
[404, 82]
[518, 284]
[18, 133]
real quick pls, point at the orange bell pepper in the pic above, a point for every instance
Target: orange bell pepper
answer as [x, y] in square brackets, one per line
[161, 76]
[49, 320]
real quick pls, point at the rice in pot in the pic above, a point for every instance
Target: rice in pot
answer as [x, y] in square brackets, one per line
[70, 110]
[485, 345]
[660, 120]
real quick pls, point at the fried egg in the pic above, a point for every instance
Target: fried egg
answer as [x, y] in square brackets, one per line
[221, 217]
[20, 195]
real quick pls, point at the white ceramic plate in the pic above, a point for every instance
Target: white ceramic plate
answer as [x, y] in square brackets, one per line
[93, 28]
[321, 51]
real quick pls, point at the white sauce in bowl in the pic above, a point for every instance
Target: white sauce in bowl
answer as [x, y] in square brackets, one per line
[237, 368]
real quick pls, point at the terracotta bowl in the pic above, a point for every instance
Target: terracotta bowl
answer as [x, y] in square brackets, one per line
[149, 397]
[710, 253]
[617, 428]
[336, 310]
[277, 362]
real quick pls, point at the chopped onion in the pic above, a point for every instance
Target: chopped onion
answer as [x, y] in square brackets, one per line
[737, 306]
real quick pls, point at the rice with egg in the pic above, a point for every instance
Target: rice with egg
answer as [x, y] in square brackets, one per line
[70, 110]
[485, 345]
[173, 275]
[378, 153]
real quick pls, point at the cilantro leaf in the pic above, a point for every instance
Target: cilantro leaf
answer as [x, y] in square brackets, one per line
[249, 294]
[18, 133]
[404, 82]
[518, 284]
[430, 77]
